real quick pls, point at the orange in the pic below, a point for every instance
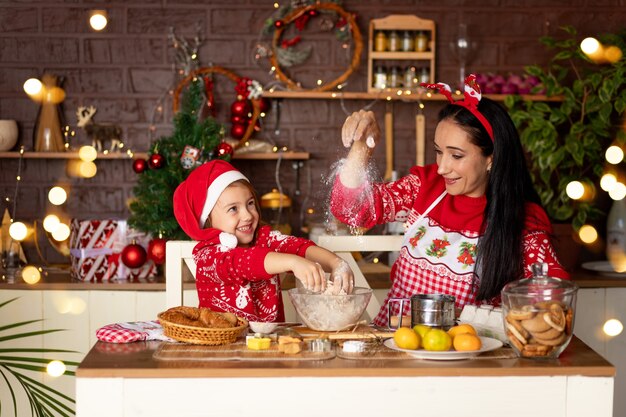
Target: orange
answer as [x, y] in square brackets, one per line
[466, 341]
[421, 329]
[406, 338]
[437, 340]
[462, 328]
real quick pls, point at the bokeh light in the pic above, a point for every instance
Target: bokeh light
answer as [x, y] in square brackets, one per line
[33, 86]
[18, 231]
[30, 274]
[51, 222]
[613, 327]
[87, 169]
[608, 181]
[57, 195]
[87, 153]
[61, 233]
[98, 20]
[614, 155]
[55, 368]
[618, 191]
[575, 190]
[590, 46]
[588, 234]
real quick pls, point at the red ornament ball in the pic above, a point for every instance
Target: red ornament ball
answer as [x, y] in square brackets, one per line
[313, 13]
[140, 165]
[134, 256]
[156, 161]
[238, 130]
[224, 149]
[240, 108]
[238, 119]
[279, 24]
[156, 251]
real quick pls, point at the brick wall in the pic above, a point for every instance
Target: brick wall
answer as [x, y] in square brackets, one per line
[125, 69]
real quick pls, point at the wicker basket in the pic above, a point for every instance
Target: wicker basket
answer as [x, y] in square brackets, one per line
[203, 335]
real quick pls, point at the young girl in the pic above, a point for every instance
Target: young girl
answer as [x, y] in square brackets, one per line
[238, 260]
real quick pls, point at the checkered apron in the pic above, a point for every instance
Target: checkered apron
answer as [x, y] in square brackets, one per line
[432, 260]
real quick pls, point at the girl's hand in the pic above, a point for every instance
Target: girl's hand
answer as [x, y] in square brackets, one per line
[311, 274]
[342, 278]
[360, 128]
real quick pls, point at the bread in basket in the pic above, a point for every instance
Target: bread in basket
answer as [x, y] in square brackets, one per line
[201, 326]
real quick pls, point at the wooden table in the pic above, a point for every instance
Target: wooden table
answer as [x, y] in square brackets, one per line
[125, 380]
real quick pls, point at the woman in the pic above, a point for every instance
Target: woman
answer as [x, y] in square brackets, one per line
[474, 221]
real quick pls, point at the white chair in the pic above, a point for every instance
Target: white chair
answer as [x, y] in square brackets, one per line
[177, 253]
[344, 246]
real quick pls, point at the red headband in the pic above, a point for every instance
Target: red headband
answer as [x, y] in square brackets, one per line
[470, 102]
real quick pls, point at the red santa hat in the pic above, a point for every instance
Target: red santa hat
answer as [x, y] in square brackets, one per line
[195, 197]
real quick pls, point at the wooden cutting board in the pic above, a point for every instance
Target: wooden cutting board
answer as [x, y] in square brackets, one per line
[361, 332]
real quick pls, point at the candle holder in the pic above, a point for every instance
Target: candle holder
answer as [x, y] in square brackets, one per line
[9, 266]
[462, 49]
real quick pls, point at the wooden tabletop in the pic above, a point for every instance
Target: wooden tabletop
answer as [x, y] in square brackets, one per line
[378, 278]
[135, 360]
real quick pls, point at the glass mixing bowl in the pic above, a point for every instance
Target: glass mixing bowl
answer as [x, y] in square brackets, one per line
[539, 314]
[330, 312]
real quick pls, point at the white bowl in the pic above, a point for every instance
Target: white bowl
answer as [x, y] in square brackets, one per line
[262, 327]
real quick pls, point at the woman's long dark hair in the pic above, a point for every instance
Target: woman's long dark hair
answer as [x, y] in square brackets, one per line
[500, 250]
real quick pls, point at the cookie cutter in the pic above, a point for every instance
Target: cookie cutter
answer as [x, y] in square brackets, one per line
[320, 345]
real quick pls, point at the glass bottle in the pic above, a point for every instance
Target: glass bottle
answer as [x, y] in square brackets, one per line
[393, 42]
[410, 77]
[393, 79]
[616, 236]
[380, 41]
[407, 41]
[421, 41]
[380, 77]
[424, 75]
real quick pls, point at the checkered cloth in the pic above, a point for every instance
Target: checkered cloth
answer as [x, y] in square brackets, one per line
[131, 332]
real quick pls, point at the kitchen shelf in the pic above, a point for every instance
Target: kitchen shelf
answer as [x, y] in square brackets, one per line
[123, 155]
[391, 94]
[423, 59]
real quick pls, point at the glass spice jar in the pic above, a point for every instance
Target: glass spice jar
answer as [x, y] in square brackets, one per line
[410, 77]
[380, 77]
[424, 75]
[421, 41]
[407, 41]
[393, 42]
[380, 41]
[393, 78]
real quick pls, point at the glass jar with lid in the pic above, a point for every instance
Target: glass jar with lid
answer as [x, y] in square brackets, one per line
[407, 41]
[394, 77]
[393, 42]
[539, 314]
[410, 77]
[421, 41]
[380, 77]
[380, 41]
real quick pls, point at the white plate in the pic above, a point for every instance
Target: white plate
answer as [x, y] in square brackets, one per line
[488, 344]
[605, 268]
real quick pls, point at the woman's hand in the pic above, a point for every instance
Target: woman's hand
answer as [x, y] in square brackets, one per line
[360, 128]
[342, 278]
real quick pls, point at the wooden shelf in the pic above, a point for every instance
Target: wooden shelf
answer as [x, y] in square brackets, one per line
[123, 155]
[390, 94]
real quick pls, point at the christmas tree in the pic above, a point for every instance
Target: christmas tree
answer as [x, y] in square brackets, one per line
[152, 210]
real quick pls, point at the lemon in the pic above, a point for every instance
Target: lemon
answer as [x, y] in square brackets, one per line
[406, 338]
[466, 341]
[460, 329]
[437, 340]
[421, 329]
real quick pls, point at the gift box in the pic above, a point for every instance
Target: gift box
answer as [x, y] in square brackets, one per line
[96, 247]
